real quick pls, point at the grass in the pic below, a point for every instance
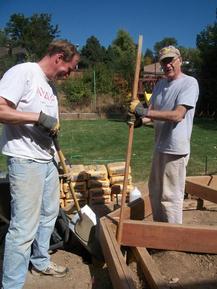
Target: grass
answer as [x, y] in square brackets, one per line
[203, 148]
[104, 141]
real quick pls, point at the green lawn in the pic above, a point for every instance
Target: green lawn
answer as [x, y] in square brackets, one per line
[104, 141]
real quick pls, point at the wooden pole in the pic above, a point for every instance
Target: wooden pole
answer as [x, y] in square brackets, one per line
[130, 142]
[65, 171]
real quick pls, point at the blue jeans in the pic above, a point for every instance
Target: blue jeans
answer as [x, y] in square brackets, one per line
[34, 189]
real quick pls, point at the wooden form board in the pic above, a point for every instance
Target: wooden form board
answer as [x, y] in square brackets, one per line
[149, 268]
[202, 180]
[136, 210]
[203, 187]
[139, 235]
[189, 238]
[120, 274]
[208, 180]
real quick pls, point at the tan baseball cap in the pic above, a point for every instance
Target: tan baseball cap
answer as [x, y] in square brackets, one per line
[168, 51]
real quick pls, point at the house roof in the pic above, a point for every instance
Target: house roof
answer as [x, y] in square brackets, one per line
[154, 68]
[15, 51]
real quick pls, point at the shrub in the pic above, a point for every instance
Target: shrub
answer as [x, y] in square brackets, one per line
[76, 90]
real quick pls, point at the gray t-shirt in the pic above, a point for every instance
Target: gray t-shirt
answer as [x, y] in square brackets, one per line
[172, 137]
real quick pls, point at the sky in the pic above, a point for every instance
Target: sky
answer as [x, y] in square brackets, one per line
[154, 19]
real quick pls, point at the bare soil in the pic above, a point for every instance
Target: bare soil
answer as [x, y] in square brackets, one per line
[191, 270]
[180, 269]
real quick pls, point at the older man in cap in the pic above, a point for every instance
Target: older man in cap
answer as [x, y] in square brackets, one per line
[172, 110]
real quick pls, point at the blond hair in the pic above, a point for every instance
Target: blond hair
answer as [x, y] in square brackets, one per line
[62, 46]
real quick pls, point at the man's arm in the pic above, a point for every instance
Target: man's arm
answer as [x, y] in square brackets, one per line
[175, 115]
[8, 114]
[149, 114]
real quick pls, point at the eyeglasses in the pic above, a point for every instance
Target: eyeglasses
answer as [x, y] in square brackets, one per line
[168, 60]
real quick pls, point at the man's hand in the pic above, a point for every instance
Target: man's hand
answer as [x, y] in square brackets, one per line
[132, 119]
[133, 105]
[138, 109]
[50, 123]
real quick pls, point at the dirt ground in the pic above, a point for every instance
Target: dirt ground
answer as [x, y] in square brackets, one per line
[191, 271]
[84, 271]
[186, 270]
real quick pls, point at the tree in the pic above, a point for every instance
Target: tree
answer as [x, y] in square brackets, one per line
[148, 57]
[3, 38]
[164, 42]
[6, 59]
[31, 33]
[122, 54]
[190, 60]
[92, 53]
[207, 44]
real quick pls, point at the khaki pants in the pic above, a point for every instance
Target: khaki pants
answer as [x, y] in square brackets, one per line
[166, 187]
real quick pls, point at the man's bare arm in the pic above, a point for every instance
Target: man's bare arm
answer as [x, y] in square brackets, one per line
[175, 115]
[8, 114]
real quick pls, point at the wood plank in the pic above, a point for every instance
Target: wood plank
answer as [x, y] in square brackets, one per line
[147, 207]
[201, 191]
[189, 238]
[152, 275]
[203, 180]
[136, 210]
[120, 274]
[213, 182]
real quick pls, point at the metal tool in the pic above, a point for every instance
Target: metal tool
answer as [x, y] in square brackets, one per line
[83, 224]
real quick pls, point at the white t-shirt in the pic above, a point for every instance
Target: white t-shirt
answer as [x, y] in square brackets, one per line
[27, 87]
[172, 137]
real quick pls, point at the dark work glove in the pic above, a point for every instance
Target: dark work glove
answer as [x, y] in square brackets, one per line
[50, 123]
[138, 122]
[133, 119]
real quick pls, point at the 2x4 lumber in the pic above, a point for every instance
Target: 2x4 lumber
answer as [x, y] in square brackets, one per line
[213, 181]
[202, 180]
[156, 235]
[152, 274]
[201, 191]
[120, 274]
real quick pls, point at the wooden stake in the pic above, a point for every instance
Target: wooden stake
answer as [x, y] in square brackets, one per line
[130, 142]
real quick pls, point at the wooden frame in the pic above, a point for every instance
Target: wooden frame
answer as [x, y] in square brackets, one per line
[203, 187]
[119, 272]
[188, 238]
[139, 234]
[121, 275]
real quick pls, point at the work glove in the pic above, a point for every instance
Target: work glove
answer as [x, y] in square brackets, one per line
[134, 119]
[48, 122]
[138, 108]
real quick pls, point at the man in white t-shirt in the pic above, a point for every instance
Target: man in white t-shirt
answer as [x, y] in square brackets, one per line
[172, 109]
[29, 111]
